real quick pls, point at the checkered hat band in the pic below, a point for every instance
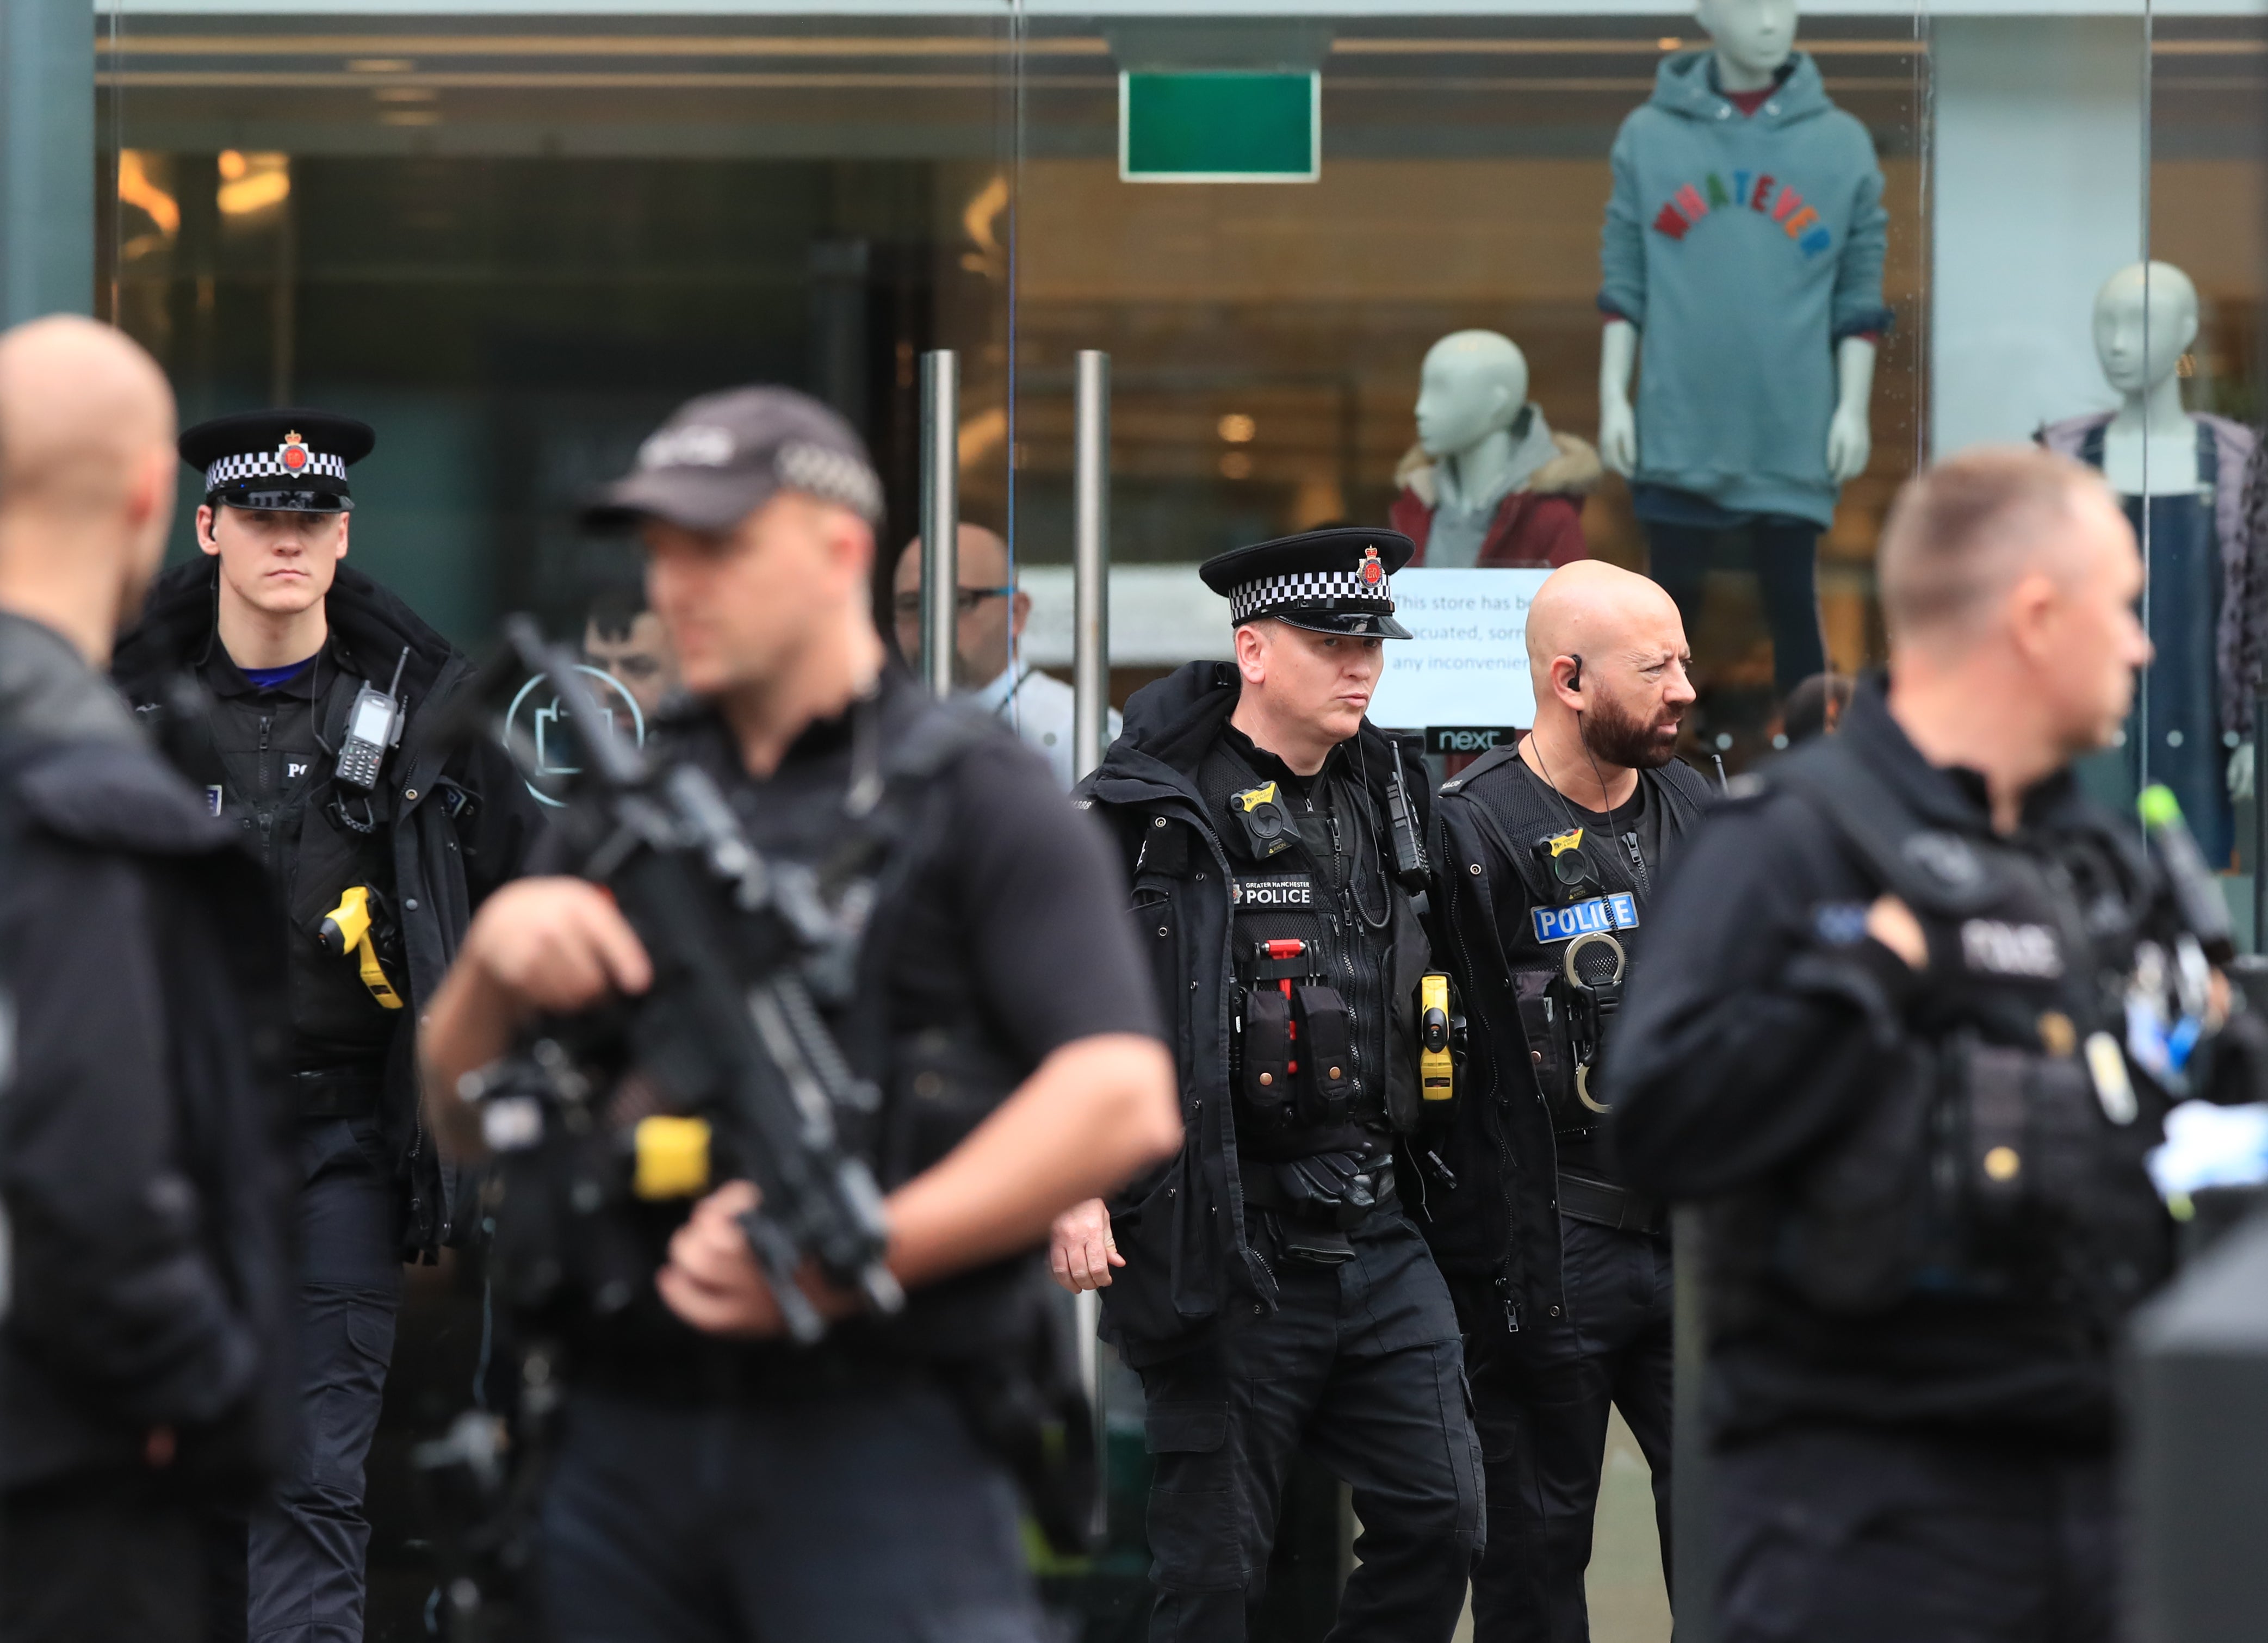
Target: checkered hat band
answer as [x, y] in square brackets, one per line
[1307, 587]
[268, 465]
[830, 475]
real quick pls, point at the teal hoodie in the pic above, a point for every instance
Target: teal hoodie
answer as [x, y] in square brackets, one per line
[1744, 248]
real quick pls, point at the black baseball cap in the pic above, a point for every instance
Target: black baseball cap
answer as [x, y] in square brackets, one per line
[293, 460]
[721, 457]
[1327, 581]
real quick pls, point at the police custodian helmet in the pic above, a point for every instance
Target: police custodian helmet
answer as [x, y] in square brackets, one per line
[1328, 581]
[282, 462]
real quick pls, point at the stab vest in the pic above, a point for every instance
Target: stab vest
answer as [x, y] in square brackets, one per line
[2003, 1157]
[1584, 899]
[1311, 920]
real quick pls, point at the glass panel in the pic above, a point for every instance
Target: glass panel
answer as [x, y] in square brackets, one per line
[2207, 181]
[512, 242]
[1270, 344]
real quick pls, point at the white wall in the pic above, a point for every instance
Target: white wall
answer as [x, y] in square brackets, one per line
[2038, 183]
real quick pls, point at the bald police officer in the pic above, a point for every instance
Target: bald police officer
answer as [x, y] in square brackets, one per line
[319, 689]
[1266, 1283]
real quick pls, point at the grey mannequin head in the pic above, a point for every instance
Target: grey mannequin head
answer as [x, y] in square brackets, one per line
[1474, 383]
[1753, 37]
[2171, 305]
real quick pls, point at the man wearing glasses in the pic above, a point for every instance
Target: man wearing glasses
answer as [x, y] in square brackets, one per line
[990, 616]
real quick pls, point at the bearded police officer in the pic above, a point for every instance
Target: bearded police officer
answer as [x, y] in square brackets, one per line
[1552, 850]
[1907, 1020]
[1267, 1284]
[311, 735]
[713, 1482]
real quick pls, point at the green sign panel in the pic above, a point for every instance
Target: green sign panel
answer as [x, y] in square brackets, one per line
[1232, 126]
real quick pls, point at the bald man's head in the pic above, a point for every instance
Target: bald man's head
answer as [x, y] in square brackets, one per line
[990, 616]
[86, 472]
[80, 405]
[1607, 655]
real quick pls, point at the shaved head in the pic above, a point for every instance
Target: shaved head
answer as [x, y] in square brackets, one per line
[79, 404]
[1607, 654]
[86, 476]
[1589, 609]
[1964, 532]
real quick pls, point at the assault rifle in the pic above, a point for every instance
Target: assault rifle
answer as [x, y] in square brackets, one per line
[749, 1082]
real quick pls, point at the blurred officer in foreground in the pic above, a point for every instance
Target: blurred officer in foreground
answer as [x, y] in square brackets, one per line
[989, 624]
[1910, 1015]
[312, 740]
[713, 1482]
[1552, 851]
[143, 1371]
[1266, 1285]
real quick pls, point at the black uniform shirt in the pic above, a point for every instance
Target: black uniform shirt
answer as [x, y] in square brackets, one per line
[276, 786]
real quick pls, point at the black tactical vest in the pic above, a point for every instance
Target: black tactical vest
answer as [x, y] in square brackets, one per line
[267, 762]
[1585, 887]
[2004, 1156]
[1311, 932]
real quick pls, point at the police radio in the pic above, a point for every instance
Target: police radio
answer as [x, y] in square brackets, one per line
[373, 726]
[1411, 868]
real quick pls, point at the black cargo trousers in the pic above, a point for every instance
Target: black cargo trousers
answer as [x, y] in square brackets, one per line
[1542, 1398]
[1361, 1365]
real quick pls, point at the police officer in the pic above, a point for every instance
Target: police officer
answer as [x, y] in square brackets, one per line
[1907, 1020]
[1266, 1285]
[1553, 850]
[711, 1481]
[145, 1381]
[321, 689]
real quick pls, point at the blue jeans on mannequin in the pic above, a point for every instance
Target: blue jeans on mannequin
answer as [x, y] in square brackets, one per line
[1785, 552]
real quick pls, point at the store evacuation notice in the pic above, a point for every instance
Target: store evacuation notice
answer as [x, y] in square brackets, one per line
[1466, 664]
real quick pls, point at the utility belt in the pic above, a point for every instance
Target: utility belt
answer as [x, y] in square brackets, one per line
[1330, 1189]
[1603, 1204]
[333, 1094]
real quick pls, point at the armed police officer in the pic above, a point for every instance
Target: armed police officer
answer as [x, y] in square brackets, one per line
[1551, 852]
[311, 734]
[712, 1481]
[145, 1368]
[1267, 1284]
[1908, 1018]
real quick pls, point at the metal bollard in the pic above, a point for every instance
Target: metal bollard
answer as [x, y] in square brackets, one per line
[940, 516]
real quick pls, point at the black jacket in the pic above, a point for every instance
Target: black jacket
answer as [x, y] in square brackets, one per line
[1777, 1063]
[461, 821]
[1501, 1222]
[1182, 1227]
[142, 1155]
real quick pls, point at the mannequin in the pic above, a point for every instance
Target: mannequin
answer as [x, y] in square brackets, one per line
[1743, 256]
[2182, 477]
[1489, 483]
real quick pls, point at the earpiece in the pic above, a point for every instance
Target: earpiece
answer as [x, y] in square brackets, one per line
[1575, 679]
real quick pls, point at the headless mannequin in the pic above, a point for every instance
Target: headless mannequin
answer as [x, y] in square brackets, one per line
[1753, 39]
[1473, 387]
[2150, 447]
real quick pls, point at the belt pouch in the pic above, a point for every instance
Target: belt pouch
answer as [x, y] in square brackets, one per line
[1999, 1160]
[1326, 1054]
[1267, 1053]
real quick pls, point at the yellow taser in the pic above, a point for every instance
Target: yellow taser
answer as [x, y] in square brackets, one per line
[346, 929]
[1436, 1075]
